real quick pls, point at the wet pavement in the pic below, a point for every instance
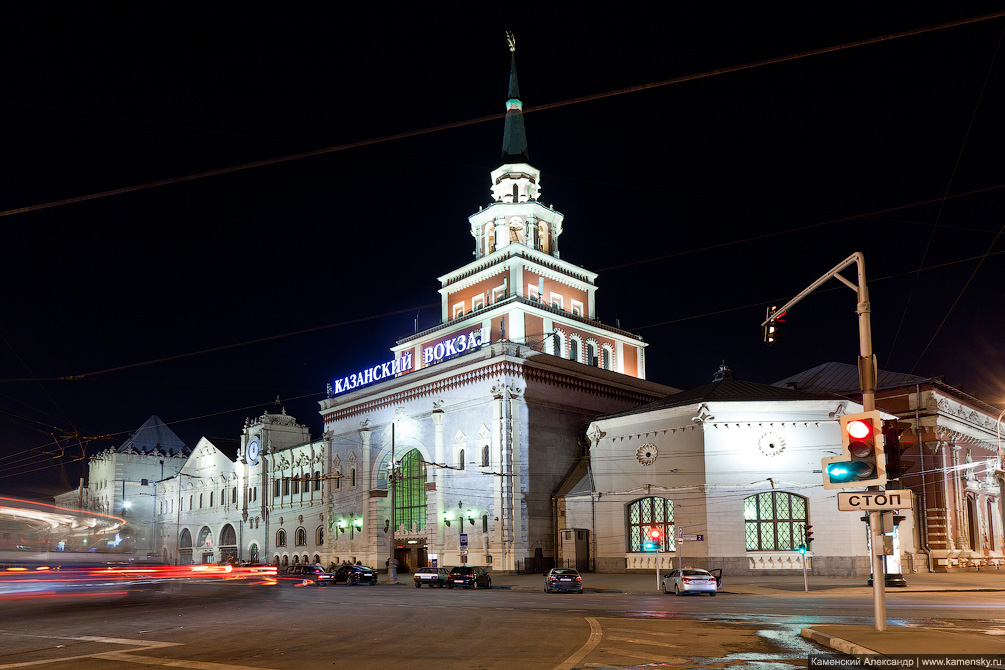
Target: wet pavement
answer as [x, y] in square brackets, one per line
[846, 639]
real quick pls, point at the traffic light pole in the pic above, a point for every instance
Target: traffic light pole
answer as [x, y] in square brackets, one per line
[867, 382]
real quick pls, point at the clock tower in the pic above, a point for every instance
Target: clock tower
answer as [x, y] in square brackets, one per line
[518, 288]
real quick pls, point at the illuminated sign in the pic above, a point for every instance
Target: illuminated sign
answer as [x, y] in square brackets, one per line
[435, 353]
[374, 374]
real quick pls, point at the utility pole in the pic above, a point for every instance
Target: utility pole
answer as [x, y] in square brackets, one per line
[867, 382]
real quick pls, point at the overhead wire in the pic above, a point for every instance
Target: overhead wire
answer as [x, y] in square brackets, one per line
[938, 217]
[494, 117]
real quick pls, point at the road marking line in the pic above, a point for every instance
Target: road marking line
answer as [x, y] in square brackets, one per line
[596, 635]
[127, 655]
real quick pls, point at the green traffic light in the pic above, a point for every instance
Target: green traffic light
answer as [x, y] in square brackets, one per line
[850, 471]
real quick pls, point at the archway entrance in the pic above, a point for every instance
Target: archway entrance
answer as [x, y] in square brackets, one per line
[185, 548]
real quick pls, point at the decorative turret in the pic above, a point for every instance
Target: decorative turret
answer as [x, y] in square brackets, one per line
[515, 215]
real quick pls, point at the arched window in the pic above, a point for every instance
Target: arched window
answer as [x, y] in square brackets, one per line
[607, 358]
[286, 486]
[317, 480]
[191, 504]
[211, 498]
[233, 496]
[485, 523]
[280, 538]
[646, 514]
[485, 456]
[410, 502]
[319, 536]
[352, 478]
[296, 486]
[573, 349]
[253, 551]
[460, 460]
[591, 354]
[774, 521]
[338, 480]
[558, 343]
[301, 537]
[228, 536]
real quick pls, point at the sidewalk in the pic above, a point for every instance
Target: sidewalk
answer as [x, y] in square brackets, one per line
[846, 639]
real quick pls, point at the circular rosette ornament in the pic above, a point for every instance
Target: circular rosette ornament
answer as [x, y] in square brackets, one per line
[646, 454]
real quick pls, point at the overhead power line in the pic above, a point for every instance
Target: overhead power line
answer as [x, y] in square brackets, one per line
[494, 117]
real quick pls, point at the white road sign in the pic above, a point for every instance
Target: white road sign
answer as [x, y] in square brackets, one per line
[875, 500]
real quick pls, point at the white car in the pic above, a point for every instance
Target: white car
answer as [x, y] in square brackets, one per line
[690, 580]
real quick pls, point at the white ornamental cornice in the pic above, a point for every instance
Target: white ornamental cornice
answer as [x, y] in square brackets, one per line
[960, 412]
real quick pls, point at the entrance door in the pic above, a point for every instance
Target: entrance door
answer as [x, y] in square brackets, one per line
[402, 554]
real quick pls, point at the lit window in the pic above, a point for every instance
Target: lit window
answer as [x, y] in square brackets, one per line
[644, 515]
[774, 521]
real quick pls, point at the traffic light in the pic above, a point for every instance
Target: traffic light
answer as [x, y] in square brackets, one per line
[772, 325]
[862, 462]
[899, 438]
[808, 533]
[802, 548]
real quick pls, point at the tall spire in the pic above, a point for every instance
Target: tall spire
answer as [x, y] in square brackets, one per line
[514, 148]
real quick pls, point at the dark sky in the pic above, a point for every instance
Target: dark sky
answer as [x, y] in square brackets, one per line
[699, 202]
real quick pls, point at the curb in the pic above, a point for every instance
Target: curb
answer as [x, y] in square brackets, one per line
[835, 643]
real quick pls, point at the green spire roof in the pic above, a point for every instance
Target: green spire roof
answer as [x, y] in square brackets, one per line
[514, 148]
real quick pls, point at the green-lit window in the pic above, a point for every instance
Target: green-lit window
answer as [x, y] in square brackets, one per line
[774, 521]
[644, 515]
[410, 493]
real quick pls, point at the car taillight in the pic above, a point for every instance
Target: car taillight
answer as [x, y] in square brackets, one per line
[579, 579]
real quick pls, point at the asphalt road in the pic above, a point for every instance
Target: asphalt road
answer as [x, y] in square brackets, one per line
[377, 627]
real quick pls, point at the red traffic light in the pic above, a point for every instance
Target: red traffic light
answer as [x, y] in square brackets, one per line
[858, 429]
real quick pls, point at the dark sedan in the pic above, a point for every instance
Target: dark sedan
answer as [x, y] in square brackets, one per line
[306, 575]
[355, 574]
[469, 576]
[563, 579]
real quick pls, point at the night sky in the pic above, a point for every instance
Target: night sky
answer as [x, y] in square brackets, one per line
[700, 202]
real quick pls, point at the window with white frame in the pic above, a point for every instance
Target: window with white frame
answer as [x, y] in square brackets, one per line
[532, 293]
[577, 308]
[498, 293]
[458, 310]
[477, 302]
[557, 300]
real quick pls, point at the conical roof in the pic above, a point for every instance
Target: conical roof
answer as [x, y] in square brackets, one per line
[514, 148]
[153, 435]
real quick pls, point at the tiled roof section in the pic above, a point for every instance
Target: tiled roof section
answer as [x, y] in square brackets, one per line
[151, 436]
[842, 379]
[726, 390]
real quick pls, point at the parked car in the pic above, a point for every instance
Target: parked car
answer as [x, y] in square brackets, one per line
[356, 574]
[432, 576]
[690, 580]
[469, 576]
[563, 579]
[299, 575]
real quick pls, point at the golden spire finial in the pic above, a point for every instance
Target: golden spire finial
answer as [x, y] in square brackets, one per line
[511, 40]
